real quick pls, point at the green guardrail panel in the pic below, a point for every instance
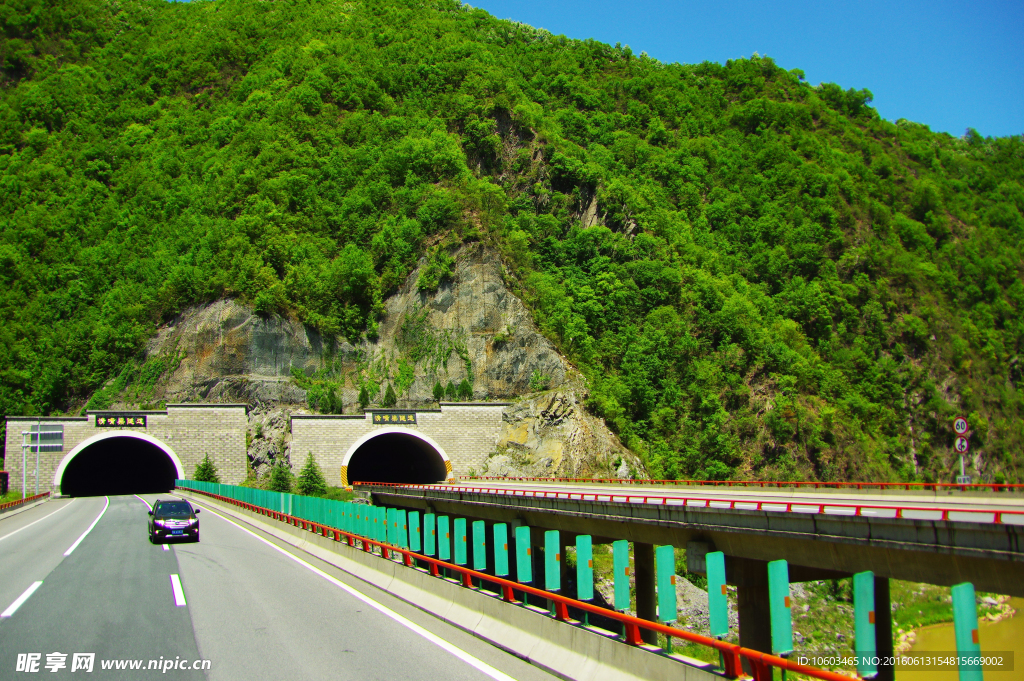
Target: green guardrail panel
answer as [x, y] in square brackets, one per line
[665, 569]
[501, 550]
[479, 545]
[460, 541]
[584, 568]
[965, 628]
[552, 561]
[718, 600]
[779, 607]
[864, 622]
[620, 573]
[390, 526]
[524, 556]
[415, 536]
[444, 538]
[402, 528]
[429, 534]
[380, 526]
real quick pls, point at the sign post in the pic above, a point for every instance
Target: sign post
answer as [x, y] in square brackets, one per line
[962, 446]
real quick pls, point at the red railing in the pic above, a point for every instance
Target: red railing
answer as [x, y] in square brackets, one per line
[996, 516]
[19, 502]
[909, 486]
[761, 664]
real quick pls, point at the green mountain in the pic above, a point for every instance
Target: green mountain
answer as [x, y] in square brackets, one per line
[759, 277]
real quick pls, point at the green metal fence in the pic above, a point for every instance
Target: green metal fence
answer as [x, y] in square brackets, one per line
[344, 515]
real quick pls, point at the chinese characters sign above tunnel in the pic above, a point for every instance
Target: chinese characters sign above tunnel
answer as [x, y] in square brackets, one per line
[407, 418]
[121, 421]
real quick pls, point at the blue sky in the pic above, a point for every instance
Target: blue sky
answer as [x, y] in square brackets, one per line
[950, 65]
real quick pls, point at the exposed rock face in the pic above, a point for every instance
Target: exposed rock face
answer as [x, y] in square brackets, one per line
[472, 328]
[233, 355]
[489, 331]
[550, 435]
[471, 324]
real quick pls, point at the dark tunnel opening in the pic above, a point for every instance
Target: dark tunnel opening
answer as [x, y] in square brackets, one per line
[396, 457]
[118, 465]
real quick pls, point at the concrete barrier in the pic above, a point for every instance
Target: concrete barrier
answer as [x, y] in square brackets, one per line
[567, 651]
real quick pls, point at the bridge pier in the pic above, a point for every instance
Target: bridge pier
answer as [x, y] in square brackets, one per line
[883, 629]
[751, 580]
[646, 599]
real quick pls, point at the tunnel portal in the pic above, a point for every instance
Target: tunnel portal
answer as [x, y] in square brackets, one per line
[118, 465]
[397, 457]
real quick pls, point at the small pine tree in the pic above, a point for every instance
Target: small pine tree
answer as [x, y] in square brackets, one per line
[280, 477]
[364, 398]
[438, 391]
[451, 392]
[390, 398]
[206, 471]
[465, 391]
[311, 480]
[334, 403]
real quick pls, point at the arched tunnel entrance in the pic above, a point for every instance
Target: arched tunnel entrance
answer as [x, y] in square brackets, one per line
[118, 465]
[397, 457]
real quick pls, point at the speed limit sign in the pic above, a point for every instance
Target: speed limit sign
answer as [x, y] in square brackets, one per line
[960, 425]
[961, 445]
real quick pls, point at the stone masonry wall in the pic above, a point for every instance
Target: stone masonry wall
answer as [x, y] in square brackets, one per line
[467, 432]
[189, 430]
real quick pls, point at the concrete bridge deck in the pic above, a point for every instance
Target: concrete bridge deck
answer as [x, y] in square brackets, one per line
[938, 541]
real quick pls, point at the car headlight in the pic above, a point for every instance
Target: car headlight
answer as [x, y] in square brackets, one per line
[161, 523]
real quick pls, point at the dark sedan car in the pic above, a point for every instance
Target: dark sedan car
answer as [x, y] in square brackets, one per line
[173, 519]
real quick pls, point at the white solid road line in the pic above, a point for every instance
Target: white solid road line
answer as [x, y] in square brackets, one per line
[143, 501]
[478, 664]
[9, 534]
[21, 599]
[79, 540]
[179, 595]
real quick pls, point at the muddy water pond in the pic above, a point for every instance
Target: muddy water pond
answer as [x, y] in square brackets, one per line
[1007, 635]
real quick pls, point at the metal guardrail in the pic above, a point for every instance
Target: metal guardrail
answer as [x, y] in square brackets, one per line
[19, 502]
[908, 486]
[871, 510]
[761, 664]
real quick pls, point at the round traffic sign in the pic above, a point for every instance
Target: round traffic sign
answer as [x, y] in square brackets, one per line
[961, 445]
[960, 425]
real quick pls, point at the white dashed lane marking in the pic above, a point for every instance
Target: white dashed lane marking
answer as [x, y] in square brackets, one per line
[20, 600]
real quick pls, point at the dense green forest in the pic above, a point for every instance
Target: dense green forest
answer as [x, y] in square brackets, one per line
[759, 277]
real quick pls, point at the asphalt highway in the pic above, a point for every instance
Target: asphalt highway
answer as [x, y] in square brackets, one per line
[254, 607]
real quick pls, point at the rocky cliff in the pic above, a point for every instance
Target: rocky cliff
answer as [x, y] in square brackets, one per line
[470, 332]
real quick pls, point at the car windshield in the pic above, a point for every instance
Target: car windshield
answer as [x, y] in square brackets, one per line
[174, 508]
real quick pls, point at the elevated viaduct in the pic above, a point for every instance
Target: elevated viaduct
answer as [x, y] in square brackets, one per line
[932, 538]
